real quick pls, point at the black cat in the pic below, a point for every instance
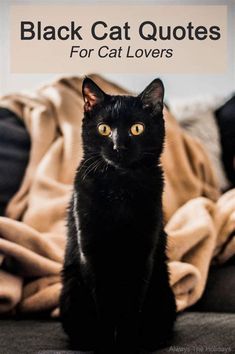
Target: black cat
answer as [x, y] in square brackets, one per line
[116, 296]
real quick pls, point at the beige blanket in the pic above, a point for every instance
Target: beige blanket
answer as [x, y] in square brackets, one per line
[32, 236]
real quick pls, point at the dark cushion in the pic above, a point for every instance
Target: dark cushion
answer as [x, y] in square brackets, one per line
[225, 117]
[14, 154]
[219, 295]
[207, 331]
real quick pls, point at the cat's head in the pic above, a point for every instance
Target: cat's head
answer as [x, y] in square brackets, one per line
[125, 131]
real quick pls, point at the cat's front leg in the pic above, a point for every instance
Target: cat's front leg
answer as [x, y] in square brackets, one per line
[105, 309]
[130, 300]
[159, 309]
[127, 335]
[77, 309]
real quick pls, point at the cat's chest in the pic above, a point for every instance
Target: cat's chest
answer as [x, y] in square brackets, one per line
[118, 198]
[117, 194]
[119, 202]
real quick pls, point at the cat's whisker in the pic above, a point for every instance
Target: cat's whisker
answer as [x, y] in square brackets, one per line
[98, 165]
[105, 166]
[94, 155]
[87, 166]
[92, 167]
[89, 169]
[88, 161]
[87, 172]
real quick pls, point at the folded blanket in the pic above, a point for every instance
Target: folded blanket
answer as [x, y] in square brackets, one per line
[32, 236]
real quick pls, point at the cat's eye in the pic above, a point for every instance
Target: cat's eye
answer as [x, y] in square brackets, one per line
[104, 129]
[137, 129]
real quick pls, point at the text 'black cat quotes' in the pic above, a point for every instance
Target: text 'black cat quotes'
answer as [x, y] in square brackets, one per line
[181, 39]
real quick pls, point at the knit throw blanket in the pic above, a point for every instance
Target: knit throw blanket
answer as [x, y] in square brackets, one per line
[33, 233]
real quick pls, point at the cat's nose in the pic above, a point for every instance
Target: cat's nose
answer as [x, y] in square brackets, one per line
[118, 142]
[119, 147]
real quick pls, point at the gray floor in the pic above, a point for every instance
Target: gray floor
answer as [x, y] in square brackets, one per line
[195, 333]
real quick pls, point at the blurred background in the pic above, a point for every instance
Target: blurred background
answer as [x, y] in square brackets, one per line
[177, 85]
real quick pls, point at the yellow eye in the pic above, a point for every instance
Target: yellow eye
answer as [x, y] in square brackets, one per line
[104, 129]
[137, 129]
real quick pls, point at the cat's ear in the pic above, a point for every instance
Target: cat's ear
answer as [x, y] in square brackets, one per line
[92, 94]
[152, 97]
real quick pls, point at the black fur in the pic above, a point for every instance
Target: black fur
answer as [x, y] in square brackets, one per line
[116, 296]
